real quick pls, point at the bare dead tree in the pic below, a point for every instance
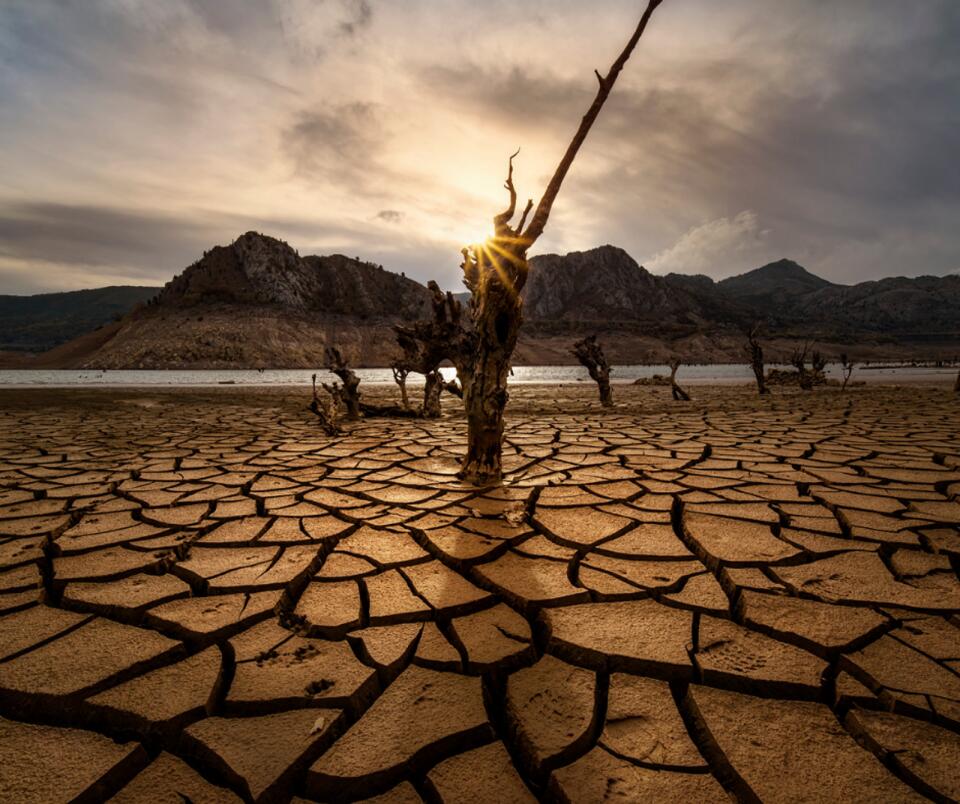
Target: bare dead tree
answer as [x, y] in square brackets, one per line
[756, 358]
[426, 344]
[590, 354]
[799, 361]
[349, 392]
[818, 362]
[847, 367]
[495, 272]
[679, 395]
[400, 372]
[326, 411]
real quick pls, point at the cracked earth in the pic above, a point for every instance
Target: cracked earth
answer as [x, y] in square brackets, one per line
[202, 598]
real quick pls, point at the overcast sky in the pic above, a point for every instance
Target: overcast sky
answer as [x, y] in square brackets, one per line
[134, 134]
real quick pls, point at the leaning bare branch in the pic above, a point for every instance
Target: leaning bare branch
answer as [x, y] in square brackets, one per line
[539, 221]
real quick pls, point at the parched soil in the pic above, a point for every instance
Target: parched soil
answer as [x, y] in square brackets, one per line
[204, 598]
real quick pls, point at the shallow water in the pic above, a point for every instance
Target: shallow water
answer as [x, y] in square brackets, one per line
[692, 375]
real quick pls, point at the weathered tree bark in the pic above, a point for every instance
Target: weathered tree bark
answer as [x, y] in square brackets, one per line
[590, 354]
[495, 273]
[679, 395]
[349, 392]
[325, 411]
[400, 373]
[756, 359]
[847, 368]
[432, 386]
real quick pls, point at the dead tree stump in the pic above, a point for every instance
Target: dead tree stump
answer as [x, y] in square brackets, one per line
[432, 387]
[847, 367]
[349, 392]
[756, 359]
[799, 361]
[679, 395]
[325, 410]
[590, 354]
[400, 373]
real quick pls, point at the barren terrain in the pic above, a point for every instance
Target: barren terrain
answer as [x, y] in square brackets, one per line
[202, 596]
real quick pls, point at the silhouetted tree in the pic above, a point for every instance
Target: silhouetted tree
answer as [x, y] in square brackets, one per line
[799, 361]
[756, 358]
[847, 368]
[590, 354]
[679, 395]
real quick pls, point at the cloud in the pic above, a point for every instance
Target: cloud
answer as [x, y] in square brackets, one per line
[338, 141]
[718, 248]
[135, 134]
[390, 215]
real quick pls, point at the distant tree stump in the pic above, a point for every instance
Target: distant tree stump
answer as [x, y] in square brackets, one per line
[590, 354]
[756, 359]
[679, 395]
[400, 373]
[349, 392]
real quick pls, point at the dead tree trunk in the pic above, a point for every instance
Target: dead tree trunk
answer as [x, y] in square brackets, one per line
[756, 359]
[495, 273]
[350, 390]
[400, 373]
[590, 354]
[799, 361]
[847, 368]
[432, 386]
[956, 384]
[325, 410]
[453, 387]
[679, 395]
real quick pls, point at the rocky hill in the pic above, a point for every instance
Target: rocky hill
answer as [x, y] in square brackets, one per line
[258, 303]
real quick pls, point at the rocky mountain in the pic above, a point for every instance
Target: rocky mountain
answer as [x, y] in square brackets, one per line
[774, 284]
[600, 286]
[258, 303]
[37, 323]
[260, 270]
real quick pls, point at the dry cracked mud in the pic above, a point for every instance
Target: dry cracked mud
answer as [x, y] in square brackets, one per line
[203, 598]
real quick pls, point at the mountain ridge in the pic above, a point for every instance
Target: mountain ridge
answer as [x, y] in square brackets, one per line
[292, 307]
